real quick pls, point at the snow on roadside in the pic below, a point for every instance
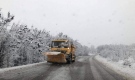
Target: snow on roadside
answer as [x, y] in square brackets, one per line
[118, 67]
[20, 67]
[23, 71]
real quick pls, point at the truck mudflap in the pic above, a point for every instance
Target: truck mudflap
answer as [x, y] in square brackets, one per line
[56, 58]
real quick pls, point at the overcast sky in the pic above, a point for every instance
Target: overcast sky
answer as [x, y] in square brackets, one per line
[91, 22]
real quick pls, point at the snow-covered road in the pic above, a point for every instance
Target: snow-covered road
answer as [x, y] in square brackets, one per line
[85, 68]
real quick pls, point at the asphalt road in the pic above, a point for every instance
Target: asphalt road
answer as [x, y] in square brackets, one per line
[85, 68]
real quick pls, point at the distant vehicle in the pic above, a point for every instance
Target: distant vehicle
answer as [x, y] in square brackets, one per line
[62, 51]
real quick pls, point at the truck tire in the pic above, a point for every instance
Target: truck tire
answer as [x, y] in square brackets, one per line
[69, 60]
[74, 58]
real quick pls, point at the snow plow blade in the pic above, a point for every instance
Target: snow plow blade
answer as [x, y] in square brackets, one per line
[54, 57]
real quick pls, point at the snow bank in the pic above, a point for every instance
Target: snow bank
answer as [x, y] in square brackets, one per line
[22, 71]
[20, 67]
[127, 71]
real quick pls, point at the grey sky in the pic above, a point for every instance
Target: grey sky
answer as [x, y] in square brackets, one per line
[91, 22]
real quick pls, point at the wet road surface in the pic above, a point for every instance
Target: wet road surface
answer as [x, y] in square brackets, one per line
[85, 68]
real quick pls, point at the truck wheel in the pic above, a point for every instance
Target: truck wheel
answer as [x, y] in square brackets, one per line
[74, 59]
[69, 60]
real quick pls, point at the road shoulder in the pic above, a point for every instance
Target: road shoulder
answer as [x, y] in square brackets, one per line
[123, 71]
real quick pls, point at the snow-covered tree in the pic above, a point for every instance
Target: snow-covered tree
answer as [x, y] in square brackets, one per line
[26, 45]
[117, 52]
[4, 22]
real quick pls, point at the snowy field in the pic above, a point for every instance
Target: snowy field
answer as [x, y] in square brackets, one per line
[127, 71]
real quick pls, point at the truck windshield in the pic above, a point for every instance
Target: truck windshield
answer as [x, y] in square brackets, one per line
[59, 44]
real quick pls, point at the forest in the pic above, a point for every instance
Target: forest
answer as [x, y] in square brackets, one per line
[21, 45]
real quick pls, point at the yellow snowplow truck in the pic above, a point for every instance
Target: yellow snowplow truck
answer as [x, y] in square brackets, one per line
[62, 51]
